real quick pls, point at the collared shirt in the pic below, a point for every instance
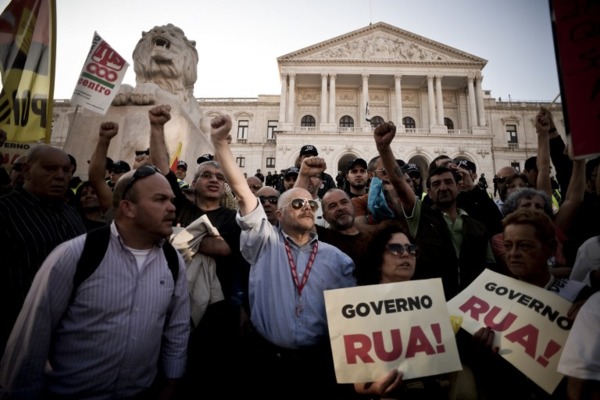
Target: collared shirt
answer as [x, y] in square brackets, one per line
[106, 342]
[30, 228]
[274, 300]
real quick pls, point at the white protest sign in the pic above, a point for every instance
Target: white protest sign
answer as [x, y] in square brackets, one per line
[377, 328]
[100, 77]
[530, 323]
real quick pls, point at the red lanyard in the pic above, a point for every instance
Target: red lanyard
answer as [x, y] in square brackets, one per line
[311, 260]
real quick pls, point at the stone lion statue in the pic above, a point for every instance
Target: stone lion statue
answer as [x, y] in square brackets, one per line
[165, 63]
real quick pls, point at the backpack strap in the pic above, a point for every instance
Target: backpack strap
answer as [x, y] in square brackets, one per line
[94, 249]
[172, 259]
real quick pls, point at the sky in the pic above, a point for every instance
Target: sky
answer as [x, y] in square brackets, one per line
[238, 41]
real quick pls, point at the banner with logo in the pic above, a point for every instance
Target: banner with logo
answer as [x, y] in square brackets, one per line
[27, 59]
[100, 77]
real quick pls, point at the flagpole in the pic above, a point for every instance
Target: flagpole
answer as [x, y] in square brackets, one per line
[71, 125]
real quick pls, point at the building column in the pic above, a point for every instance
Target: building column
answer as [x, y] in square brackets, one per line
[398, 97]
[479, 98]
[332, 99]
[431, 100]
[365, 100]
[291, 99]
[440, 100]
[472, 107]
[323, 98]
[282, 100]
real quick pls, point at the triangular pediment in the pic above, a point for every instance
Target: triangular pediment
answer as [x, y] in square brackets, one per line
[381, 43]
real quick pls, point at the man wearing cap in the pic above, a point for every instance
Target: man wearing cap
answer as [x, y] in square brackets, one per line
[357, 177]
[180, 173]
[413, 171]
[288, 179]
[308, 150]
[119, 167]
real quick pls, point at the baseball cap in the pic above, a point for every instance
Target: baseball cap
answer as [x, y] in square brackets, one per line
[466, 164]
[291, 171]
[411, 168]
[356, 161]
[182, 164]
[204, 158]
[309, 149]
[120, 166]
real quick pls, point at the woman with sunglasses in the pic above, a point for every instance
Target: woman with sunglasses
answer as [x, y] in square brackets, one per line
[394, 260]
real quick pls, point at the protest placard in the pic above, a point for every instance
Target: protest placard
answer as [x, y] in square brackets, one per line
[530, 323]
[376, 328]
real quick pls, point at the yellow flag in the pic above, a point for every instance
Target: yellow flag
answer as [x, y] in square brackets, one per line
[27, 58]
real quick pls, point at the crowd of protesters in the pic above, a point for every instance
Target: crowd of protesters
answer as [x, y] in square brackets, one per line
[212, 281]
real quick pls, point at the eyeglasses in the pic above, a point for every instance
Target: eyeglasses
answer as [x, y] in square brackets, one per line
[398, 249]
[382, 170]
[210, 175]
[270, 199]
[255, 187]
[297, 204]
[140, 173]
[17, 167]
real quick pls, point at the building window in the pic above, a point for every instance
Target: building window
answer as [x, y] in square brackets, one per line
[270, 162]
[308, 120]
[376, 121]
[511, 133]
[346, 122]
[449, 124]
[243, 129]
[241, 162]
[409, 123]
[516, 166]
[271, 125]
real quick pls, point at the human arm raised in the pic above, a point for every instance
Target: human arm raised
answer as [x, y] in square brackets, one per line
[97, 167]
[310, 166]
[542, 128]
[159, 154]
[220, 126]
[383, 135]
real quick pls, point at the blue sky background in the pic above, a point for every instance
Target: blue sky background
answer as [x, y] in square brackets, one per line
[238, 41]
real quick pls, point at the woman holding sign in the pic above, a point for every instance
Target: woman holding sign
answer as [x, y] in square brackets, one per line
[394, 260]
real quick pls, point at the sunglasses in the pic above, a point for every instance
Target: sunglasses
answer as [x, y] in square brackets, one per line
[398, 249]
[255, 187]
[140, 173]
[270, 199]
[297, 204]
[210, 175]
[142, 152]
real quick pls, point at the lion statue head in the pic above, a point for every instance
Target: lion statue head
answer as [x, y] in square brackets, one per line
[164, 56]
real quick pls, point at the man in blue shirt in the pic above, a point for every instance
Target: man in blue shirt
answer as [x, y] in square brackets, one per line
[290, 270]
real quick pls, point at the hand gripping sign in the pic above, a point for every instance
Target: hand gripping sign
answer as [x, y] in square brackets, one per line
[530, 323]
[374, 329]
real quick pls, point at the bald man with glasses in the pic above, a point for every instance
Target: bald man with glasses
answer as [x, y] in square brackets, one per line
[290, 270]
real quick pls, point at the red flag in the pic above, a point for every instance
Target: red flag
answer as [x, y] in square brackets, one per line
[27, 58]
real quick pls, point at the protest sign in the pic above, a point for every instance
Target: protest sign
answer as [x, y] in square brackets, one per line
[376, 328]
[101, 77]
[530, 323]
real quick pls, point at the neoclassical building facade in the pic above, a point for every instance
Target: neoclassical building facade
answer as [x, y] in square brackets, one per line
[333, 93]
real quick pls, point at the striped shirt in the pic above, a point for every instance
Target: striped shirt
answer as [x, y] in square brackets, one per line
[107, 342]
[30, 228]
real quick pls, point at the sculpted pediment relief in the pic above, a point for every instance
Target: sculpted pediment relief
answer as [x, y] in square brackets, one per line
[381, 42]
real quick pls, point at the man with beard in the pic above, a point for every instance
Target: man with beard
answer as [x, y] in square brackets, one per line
[454, 247]
[338, 211]
[357, 177]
